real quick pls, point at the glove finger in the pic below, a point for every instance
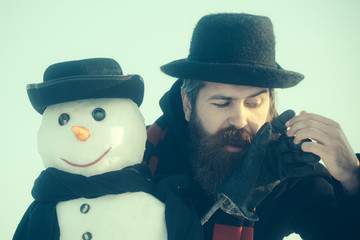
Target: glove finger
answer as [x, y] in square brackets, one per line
[299, 170]
[262, 137]
[284, 144]
[310, 158]
[301, 157]
[255, 155]
[278, 124]
[292, 145]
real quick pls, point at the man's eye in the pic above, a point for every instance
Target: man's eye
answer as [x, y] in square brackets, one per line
[98, 114]
[63, 119]
[253, 104]
[221, 105]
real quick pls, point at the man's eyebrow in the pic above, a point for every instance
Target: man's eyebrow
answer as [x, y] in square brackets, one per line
[258, 93]
[222, 97]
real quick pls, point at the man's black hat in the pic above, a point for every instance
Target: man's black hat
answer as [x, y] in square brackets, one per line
[84, 79]
[235, 49]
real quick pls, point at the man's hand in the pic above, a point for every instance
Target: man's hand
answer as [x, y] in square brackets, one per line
[330, 144]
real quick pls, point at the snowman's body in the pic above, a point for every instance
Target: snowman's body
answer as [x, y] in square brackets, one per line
[122, 216]
[91, 137]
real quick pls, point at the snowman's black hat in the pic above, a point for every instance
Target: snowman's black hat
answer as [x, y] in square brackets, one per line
[84, 79]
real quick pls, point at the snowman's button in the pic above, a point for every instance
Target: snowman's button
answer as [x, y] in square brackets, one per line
[87, 236]
[85, 208]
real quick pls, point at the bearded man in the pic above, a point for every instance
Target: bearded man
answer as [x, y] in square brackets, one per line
[253, 174]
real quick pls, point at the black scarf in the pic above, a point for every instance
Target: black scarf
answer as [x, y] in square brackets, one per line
[53, 185]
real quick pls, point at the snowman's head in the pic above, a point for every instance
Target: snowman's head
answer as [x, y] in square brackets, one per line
[92, 136]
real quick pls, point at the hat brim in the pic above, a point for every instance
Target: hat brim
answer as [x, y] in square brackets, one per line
[68, 89]
[231, 73]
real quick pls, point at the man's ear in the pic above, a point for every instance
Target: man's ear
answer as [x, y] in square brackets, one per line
[186, 105]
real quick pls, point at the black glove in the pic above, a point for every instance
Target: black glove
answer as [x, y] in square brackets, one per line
[284, 158]
[262, 168]
[233, 194]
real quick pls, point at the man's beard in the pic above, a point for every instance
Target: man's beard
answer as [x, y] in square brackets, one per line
[211, 162]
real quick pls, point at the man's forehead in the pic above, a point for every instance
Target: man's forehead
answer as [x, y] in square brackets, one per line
[229, 90]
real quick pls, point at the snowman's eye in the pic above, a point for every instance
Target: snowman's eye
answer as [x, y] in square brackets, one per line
[63, 119]
[98, 114]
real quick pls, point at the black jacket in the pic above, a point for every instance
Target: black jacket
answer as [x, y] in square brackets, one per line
[313, 206]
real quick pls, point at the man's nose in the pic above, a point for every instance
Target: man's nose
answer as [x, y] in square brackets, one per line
[238, 117]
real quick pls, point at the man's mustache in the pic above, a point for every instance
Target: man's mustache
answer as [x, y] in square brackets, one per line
[235, 137]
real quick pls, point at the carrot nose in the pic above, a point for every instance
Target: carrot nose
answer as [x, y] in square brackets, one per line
[81, 133]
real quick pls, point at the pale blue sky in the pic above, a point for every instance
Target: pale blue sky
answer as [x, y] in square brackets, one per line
[317, 38]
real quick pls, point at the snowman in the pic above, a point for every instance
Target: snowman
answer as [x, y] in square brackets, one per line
[91, 140]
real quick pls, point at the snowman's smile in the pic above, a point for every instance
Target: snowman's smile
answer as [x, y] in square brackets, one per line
[88, 164]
